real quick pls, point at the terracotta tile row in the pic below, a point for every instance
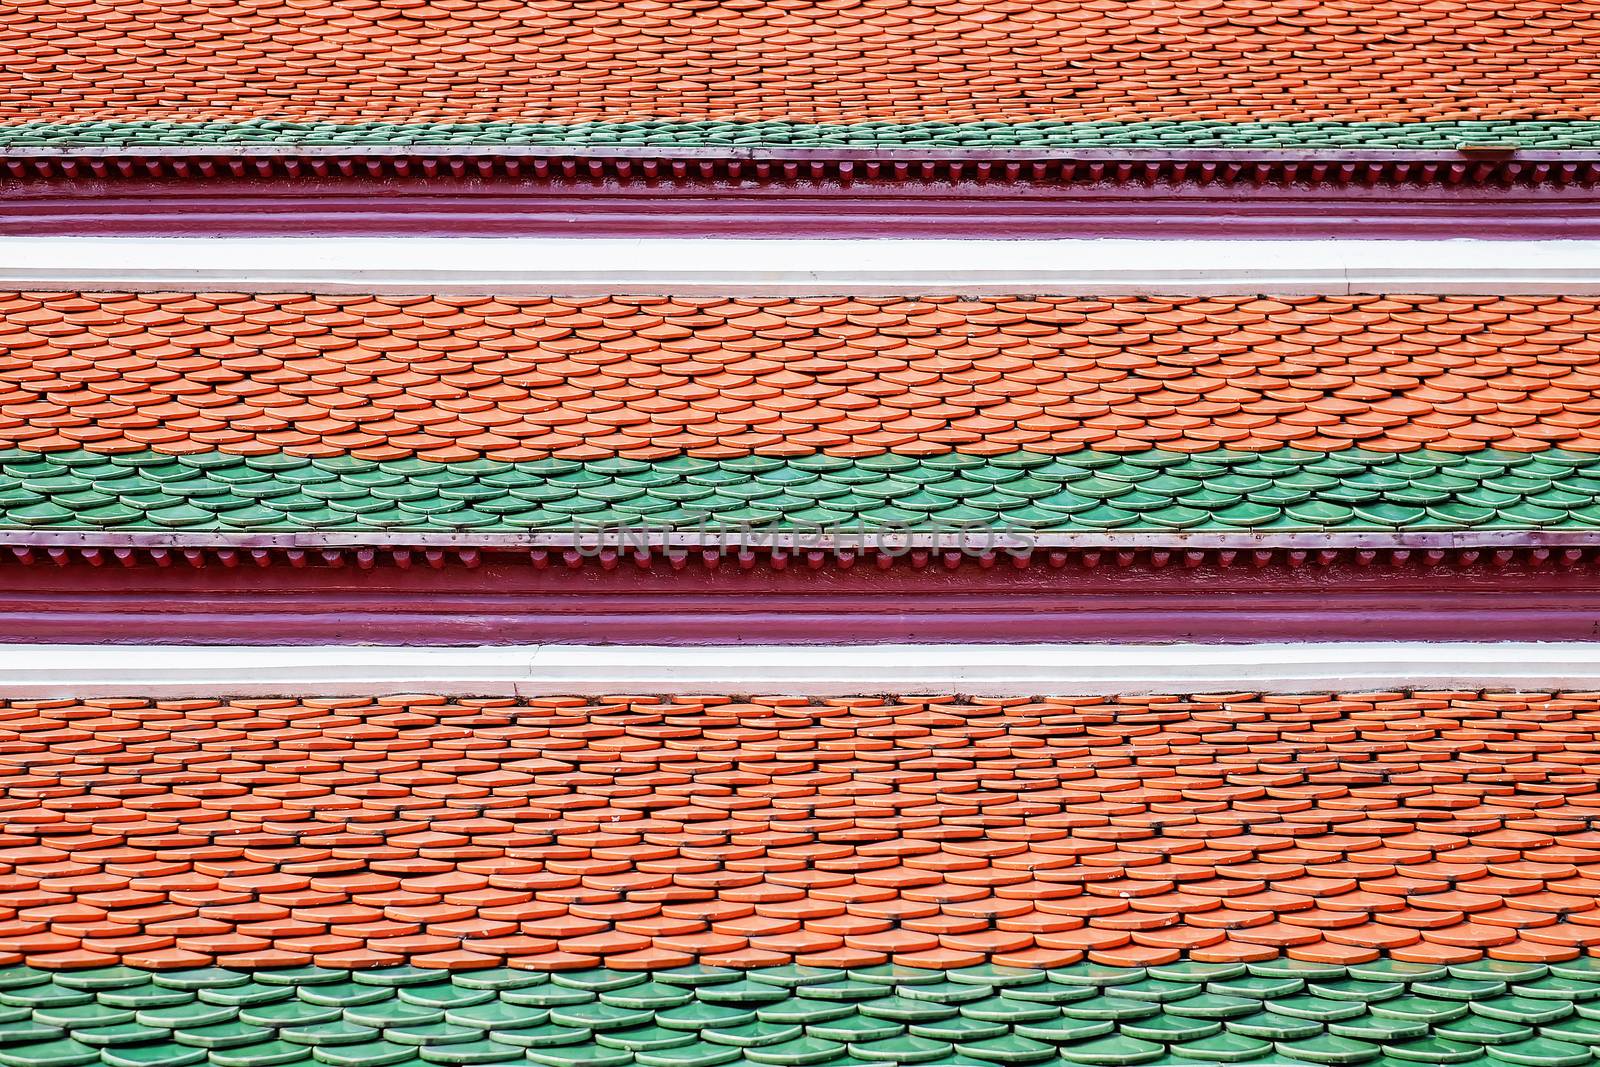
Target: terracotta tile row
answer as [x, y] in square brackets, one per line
[459, 378]
[897, 62]
[647, 833]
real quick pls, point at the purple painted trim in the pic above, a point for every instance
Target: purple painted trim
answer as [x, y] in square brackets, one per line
[503, 601]
[611, 206]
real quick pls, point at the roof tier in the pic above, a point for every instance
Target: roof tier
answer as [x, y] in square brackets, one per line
[1395, 72]
[231, 412]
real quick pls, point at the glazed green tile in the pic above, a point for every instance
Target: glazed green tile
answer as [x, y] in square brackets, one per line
[247, 994]
[794, 1052]
[693, 1054]
[1481, 1030]
[472, 1052]
[444, 1034]
[606, 1017]
[1284, 967]
[697, 1016]
[647, 996]
[1114, 1050]
[160, 1054]
[221, 1035]
[1213, 1006]
[1049, 993]
[44, 995]
[1062, 1030]
[1110, 1007]
[750, 1035]
[1329, 1049]
[1575, 1029]
[940, 492]
[443, 995]
[1541, 1052]
[1584, 968]
[801, 1010]
[1429, 1010]
[1557, 987]
[1451, 988]
[123, 1034]
[743, 991]
[1433, 1050]
[1500, 971]
[548, 1035]
[961, 1028]
[260, 1054]
[1009, 1049]
[1005, 1009]
[1523, 1010]
[289, 1013]
[62, 1052]
[141, 997]
[547, 996]
[1380, 1029]
[1272, 1027]
[902, 1009]
[1159, 990]
[339, 1032]
[385, 1014]
[906, 1049]
[856, 1028]
[74, 1016]
[1196, 971]
[1317, 1008]
[1222, 1048]
[22, 1031]
[580, 1056]
[948, 992]
[365, 1054]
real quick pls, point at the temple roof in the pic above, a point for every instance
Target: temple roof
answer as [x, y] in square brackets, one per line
[235, 413]
[1396, 73]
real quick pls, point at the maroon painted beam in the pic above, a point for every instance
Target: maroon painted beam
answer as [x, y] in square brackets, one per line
[1085, 200]
[502, 598]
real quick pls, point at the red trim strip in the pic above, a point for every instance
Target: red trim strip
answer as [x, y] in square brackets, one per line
[1104, 203]
[479, 598]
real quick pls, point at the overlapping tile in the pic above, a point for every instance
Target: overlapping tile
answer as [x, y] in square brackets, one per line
[1437, 828]
[1285, 490]
[1268, 1011]
[943, 71]
[505, 379]
[234, 413]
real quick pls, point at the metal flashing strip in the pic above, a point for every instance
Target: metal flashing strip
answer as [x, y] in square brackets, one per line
[88, 671]
[720, 267]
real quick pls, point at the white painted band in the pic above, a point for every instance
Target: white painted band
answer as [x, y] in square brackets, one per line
[83, 671]
[734, 267]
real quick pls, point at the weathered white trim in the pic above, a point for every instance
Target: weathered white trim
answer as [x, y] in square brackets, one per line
[734, 267]
[834, 670]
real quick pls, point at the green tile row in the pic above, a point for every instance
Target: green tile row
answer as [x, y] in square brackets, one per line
[1386, 1012]
[1284, 490]
[1527, 133]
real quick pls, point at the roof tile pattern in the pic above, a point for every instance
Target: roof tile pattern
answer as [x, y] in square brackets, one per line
[1440, 828]
[1268, 1011]
[1284, 490]
[554, 61]
[457, 378]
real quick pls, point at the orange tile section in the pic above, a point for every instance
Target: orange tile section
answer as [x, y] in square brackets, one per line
[518, 379]
[887, 60]
[644, 833]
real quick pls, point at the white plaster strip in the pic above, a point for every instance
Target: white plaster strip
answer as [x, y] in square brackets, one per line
[733, 267]
[834, 670]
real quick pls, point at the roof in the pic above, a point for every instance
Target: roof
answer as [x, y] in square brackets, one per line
[236, 413]
[666, 881]
[1069, 73]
